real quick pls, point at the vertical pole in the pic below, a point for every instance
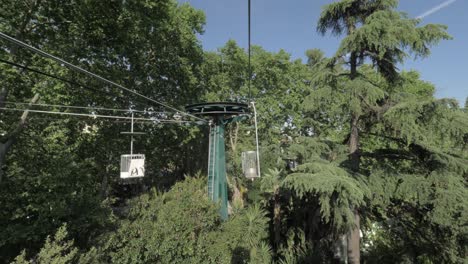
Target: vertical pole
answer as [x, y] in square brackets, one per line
[217, 165]
[217, 183]
[250, 67]
[256, 138]
[220, 173]
[131, 137]
[211, 163]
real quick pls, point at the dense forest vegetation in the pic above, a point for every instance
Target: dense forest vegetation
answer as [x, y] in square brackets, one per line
[382, 165]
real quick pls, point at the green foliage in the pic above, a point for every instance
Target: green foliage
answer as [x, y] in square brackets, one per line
[167, 228]
[334, 188]
[339, 16]
[375, 30]
[55, 171]
[427, 211]
[296, 250]
[385, 44]
[314, 56]
[49, 184]
[183, 226]
[409, 187]
[58, 250]
[434, 122]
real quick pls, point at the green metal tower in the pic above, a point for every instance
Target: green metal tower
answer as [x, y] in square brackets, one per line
[220, 114]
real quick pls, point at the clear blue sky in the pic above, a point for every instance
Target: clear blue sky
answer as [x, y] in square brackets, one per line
[290, 25]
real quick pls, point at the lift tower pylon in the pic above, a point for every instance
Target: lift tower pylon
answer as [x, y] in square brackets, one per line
[220, 114]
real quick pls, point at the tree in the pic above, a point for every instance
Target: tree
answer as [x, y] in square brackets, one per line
[314, 56]
[377, 152]
[184, 226]
[58, 250]
[271, 183]
[56, 171]
[377, 32]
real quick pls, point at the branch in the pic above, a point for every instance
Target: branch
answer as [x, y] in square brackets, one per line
[20, 126]
[379, 110]
[389, 153]
[3, 96]
[236, 134]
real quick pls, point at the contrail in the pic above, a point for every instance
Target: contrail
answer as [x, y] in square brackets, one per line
[435, 9]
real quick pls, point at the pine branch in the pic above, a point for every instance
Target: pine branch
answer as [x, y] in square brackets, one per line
[389, 153]
[3, 96]
[398, 140]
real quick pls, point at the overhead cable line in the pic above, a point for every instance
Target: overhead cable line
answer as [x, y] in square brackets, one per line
[54, 77]
[65, 80]
[109, 121]
[155, 120]
[117, 121]
[87, 107]
[250, 95]
[250, 67]
[81, 70]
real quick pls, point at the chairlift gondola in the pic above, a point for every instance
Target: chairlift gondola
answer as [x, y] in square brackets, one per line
[249, 164]
[132, 165]
[251, 159]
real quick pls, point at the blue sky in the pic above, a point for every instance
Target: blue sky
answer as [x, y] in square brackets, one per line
[290, 25]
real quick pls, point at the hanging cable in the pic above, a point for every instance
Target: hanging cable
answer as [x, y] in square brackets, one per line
[120, 97]
[250, 94]
[250, 67]
[256, 138]
[87, 107]
[97, 116]
[55, 77]
[81, 70]
[117, 121]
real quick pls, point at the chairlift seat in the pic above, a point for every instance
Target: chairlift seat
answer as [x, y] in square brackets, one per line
[249, 164]
[132, 166]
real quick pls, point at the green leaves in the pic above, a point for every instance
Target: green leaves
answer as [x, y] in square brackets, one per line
[336, 190]
[437, 123]
[427, 209]
[183, 226]
[385, 36]
[56, 250]
[343, 15]
[411, 149]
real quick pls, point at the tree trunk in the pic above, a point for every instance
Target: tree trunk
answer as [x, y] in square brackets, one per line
[233, 136]
[105, 180]
[3, 96]
[354, 256]
[11, 138]
[354, 236]
[3, 150]
[104, 184]
[354, 143]
[237, 196]
[341, 250]
[277, 220]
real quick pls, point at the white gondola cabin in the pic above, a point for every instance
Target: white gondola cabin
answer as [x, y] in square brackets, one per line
[250, 164]
[132, 166]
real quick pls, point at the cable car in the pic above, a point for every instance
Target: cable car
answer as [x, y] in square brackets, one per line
[250, 164]
[251, 159]
[132, 165]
